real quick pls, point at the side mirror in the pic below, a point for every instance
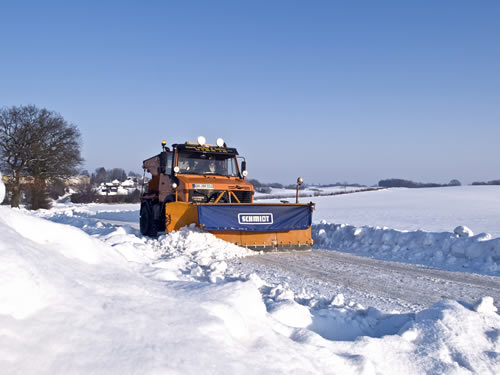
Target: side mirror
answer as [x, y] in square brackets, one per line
[244, 172]
[163, 162]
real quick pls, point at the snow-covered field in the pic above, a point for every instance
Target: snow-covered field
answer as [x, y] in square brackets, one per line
[310, 191]
[428, 209]
[82, 293]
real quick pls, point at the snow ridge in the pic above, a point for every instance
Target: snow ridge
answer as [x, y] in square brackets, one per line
[457, 251]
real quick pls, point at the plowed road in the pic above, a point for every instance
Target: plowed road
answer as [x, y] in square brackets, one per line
[402, 284]
[410, 284]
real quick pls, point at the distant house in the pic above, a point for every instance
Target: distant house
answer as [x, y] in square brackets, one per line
[77, 180]
[117, 188]
[128, 183]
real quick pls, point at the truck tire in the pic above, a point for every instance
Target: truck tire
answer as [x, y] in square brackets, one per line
[148, 225]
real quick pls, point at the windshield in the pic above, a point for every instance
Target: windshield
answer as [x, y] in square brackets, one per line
[207, 164]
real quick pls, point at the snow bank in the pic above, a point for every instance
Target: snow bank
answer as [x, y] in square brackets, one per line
[188, 254]
[453, 251]
[112, 301]
[435, 340]
[197, 253]
[455, 324]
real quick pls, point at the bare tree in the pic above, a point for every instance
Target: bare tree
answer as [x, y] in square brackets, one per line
[100, 176]
[37, 143]
[117, 174]
[17, 135]
[57, 155]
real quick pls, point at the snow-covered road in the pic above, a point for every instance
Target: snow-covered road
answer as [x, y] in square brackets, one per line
[379, 282]
[404, 284]
[386, 285]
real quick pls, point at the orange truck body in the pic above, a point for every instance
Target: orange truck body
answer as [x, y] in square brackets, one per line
[186, 177]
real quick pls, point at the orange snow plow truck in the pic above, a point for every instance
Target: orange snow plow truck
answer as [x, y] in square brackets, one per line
[203, 184]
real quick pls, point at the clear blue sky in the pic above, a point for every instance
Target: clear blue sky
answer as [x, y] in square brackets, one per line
[330, 90]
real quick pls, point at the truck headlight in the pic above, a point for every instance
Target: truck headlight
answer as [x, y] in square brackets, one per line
[174, 185]
[244, 173]
[201, 140]
[220, 142]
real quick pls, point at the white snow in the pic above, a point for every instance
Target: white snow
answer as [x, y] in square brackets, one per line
[486, 306]
[79, 295]
[427, 209]
[310, 191]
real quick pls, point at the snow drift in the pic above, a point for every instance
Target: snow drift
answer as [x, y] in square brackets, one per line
[460, 250]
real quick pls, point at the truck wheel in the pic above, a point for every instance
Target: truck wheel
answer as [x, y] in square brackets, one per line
[147, 223]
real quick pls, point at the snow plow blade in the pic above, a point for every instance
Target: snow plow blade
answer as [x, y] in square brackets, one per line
[261, 227]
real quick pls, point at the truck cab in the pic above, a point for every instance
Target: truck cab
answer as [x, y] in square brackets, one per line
[193, 172]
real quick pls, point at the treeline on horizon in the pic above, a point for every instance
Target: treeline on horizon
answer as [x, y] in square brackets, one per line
[398, 182]
[493, 182]
[101, 175]
[263, 187]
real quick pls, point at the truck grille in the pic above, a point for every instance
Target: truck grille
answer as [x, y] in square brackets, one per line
[244, 196]
[209, 196]
[202, 196]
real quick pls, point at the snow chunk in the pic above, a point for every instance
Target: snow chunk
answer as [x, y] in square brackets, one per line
[485, 306]
[256, 280]
[338, 300]
[463, 231]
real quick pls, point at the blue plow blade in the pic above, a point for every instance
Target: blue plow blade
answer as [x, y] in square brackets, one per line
[255, 217]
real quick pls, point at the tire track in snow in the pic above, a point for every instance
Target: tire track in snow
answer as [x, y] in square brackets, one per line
[410, 283]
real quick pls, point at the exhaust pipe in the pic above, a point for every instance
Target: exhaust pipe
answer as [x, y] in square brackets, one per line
[300, 180]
